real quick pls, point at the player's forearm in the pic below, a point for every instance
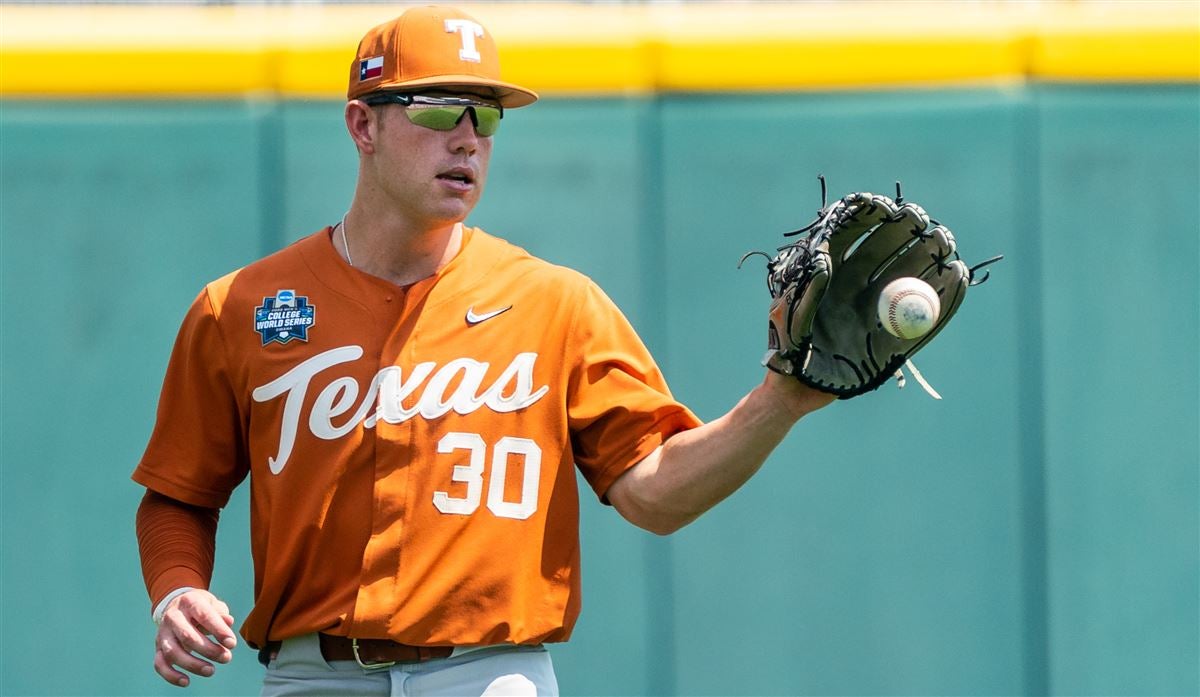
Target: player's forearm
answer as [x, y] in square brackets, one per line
[177, 543]
[697, 469]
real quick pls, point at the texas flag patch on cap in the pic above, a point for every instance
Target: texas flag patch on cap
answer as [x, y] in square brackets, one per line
[369, 68]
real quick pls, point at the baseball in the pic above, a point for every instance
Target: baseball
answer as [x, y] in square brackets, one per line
[908, 308]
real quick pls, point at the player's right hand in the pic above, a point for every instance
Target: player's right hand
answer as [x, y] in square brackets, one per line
[195, 626]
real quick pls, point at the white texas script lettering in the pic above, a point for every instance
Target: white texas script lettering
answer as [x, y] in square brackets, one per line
[385, 396]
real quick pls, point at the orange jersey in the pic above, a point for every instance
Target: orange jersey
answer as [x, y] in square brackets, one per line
[411, 450]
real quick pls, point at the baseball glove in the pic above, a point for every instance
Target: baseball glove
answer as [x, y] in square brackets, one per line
[825, 287]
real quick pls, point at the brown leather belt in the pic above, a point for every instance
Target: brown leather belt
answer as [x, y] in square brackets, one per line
[378, 653]
[370, 654]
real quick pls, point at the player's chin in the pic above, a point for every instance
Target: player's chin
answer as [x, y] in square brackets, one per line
[455, 203]
[451, 210]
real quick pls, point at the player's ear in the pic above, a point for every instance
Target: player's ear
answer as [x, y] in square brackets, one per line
[362, 123]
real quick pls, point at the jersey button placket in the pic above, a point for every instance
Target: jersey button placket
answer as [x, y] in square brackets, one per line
[379, 594]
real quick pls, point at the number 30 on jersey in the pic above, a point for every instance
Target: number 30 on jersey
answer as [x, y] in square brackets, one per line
[472, 474]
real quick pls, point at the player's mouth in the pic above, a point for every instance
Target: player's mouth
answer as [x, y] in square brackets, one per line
[458, 178]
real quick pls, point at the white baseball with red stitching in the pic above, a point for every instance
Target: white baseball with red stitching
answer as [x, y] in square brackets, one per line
[908, 308]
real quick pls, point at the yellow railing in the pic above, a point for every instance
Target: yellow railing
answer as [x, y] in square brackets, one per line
[305, 51]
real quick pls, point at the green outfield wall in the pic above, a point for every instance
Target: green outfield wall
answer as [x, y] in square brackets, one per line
[1037, 532]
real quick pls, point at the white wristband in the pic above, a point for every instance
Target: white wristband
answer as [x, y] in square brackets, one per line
[161, 608]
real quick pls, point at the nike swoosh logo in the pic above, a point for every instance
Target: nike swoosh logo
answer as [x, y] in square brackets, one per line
[473, 319]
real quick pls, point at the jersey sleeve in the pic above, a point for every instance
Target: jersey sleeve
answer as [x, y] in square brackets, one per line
[619, 407]
[196, 452]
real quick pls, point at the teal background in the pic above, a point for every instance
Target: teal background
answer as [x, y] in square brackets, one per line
[1034, 533]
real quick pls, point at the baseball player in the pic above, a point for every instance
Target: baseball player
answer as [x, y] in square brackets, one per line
[410, 397]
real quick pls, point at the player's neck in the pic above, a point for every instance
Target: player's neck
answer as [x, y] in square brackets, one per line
[396, 249]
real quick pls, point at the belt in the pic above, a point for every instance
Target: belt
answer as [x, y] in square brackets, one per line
[369, 654]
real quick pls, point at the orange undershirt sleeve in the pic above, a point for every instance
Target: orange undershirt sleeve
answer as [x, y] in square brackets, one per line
[177, 542]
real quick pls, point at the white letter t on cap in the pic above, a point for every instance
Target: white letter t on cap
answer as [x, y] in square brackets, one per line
[468, 30]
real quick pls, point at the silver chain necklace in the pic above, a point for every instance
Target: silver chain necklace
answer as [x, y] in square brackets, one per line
[345, 243]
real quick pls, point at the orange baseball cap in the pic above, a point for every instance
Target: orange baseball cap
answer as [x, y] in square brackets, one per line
[431, 47]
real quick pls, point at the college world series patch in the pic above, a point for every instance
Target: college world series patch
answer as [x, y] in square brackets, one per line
[284, 317]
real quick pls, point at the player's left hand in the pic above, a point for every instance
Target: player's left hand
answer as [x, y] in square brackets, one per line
[824, 325]
[196, 624]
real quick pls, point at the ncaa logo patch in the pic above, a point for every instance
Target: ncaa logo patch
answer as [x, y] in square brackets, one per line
[284, 317]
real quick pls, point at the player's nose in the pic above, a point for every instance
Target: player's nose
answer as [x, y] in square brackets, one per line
[464, 138]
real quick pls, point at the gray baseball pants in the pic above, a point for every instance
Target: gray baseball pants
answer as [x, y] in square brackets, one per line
[520, 671]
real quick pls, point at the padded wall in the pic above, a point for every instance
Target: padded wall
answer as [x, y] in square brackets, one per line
[1042, 539]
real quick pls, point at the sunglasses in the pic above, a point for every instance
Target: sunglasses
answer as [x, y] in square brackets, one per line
[443, 113]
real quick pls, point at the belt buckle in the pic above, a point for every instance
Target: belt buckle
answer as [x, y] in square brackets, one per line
[368, 666]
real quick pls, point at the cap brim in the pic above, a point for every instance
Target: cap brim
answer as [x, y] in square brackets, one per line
[509, 95]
